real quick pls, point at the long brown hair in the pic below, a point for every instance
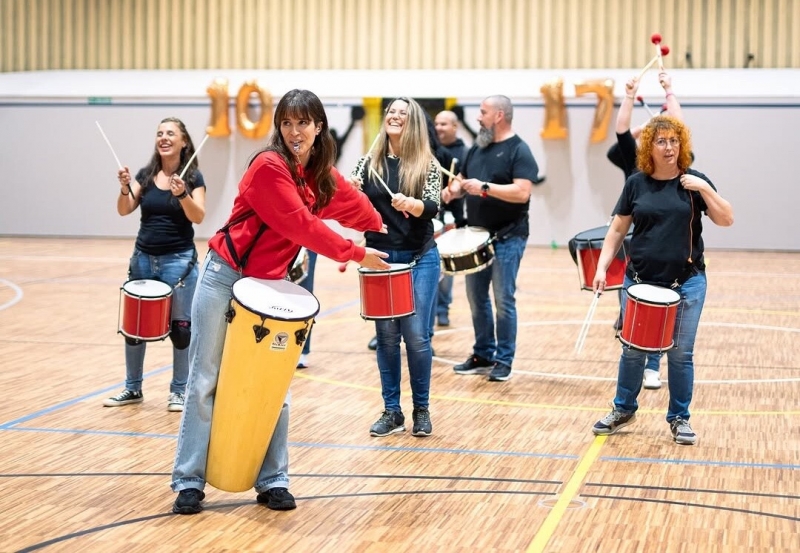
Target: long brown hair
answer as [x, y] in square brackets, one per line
[304, 104]
[415, 150]
[656, 126]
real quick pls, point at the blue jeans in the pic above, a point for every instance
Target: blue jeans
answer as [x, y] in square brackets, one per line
[308, 284]
[166, 268]
[502, 275]
[680, 359]
[445, 295]
[414, 331]
[211, 300]
[653, 361]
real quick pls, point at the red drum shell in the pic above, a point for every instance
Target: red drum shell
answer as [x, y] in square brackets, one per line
[146, 309]
[386, 294]
[587, 246]
[650, 313]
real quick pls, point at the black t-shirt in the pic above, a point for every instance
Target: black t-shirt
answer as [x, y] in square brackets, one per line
[164, 227]
[458, 150]
[667, 229]
[499, 163]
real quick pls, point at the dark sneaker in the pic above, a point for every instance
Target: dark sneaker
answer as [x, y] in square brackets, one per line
[277, 499]
[682, 432]
[175, 402]
[188, 502]
[473, 365]
[124, 398]
[500, 373]
[389, 423]
[422, 422]
[613, 422]
[373, 344]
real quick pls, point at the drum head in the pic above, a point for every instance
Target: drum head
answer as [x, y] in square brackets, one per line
[653, 294]
[393, 268]
[596, 236]
[461, 240]
[146, 288]
[276, 299]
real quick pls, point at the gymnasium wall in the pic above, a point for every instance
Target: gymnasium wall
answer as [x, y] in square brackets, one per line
[58, 174]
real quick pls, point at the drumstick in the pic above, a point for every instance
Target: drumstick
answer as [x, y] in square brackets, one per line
[191, 159]
[662, 51]
[644, 104]
[380, 180]
[586, 322]
[109, 144]
[450, 173]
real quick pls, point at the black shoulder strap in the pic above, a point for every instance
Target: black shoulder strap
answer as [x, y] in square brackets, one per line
[241, 262]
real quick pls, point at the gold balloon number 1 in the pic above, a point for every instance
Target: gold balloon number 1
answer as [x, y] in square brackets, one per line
[220, 123]
[555, 110]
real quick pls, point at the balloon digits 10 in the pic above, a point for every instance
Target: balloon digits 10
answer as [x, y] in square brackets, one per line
[220, 123]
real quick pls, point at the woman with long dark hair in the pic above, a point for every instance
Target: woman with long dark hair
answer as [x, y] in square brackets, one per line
[288, 189]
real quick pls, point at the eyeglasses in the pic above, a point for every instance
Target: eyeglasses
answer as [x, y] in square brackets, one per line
[662, 142]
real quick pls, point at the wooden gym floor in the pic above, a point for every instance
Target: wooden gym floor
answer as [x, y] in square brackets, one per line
[511, 466]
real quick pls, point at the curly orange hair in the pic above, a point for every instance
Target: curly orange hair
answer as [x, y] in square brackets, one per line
[663, 125]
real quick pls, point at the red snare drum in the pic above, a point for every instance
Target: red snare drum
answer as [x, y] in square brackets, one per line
[145, 309]
[586, 248]
[386, 294]
[650, 313]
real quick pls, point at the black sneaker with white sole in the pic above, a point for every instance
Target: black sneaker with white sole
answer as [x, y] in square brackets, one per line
[612, 422]
[277, 499]
[474, 365]
[188, 502]
[389, 423]
[125, 397]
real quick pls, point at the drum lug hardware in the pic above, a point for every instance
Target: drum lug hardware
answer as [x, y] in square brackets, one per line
[230, 314]
[260, 331]
[300, 335]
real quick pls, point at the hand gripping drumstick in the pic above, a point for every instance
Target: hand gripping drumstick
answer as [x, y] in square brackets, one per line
[385, 186]
[586, 322]
[191, 159]
[119, 165]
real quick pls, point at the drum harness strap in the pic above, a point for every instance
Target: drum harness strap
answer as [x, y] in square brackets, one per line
[260, 331]
[425, 249]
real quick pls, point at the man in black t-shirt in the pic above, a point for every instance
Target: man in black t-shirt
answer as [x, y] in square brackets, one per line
[496, 179]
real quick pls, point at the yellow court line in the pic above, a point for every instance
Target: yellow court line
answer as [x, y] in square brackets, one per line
[535, 405]
[570, 491]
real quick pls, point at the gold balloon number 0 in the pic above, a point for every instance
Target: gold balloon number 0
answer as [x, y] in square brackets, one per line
[555, 110]
[220, 123]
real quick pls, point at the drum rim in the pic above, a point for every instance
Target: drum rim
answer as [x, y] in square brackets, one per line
[473, 270]
[648, 301]
[270, 316]
[641, 348]
[402, 268]
[134, 295]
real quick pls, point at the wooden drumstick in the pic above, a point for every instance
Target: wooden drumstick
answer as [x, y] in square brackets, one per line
[662, 50]
[586, 322]
[119, 165]
[191, 159]
[450, 173]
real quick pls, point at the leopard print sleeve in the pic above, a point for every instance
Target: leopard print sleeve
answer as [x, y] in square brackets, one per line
[360, 170]
[433, 185]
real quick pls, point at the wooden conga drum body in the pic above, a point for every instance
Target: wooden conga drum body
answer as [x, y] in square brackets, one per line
[266, 332]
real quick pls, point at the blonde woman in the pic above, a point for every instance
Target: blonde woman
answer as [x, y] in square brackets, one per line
[403, 160]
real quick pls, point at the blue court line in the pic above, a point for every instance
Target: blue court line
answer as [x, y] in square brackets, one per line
[700, 463]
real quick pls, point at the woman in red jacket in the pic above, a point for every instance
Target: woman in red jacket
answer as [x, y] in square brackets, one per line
[286, 192]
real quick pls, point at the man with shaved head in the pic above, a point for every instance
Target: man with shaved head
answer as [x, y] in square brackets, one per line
[496, 179]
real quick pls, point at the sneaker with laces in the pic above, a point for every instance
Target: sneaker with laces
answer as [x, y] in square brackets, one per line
[125, 397]
[474, 365]
[613, 422]
[175, 402]
[277, 499]
[389, 423]
[422, 422]
[682, 432]
[652, 380]
[500, 373]
[188, 502]
[302, 363]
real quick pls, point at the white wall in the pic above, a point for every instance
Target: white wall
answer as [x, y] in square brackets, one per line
[58, 175]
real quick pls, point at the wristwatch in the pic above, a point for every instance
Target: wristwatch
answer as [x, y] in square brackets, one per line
[485, 190]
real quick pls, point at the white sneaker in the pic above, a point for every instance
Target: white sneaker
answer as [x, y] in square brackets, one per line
[652, 380]
[303, 362]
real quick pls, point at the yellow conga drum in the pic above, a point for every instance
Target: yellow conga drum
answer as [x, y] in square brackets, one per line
[269, 325]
